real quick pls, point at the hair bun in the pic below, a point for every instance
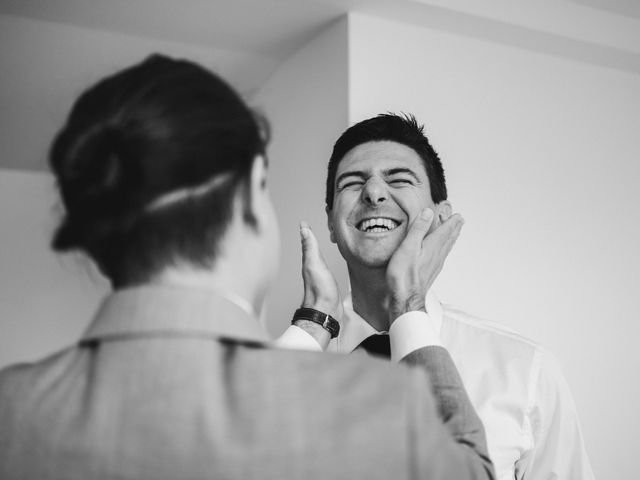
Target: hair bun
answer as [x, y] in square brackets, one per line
[98, 176]
[99, 173]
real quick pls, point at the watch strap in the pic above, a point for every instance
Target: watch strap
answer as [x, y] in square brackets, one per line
[327, 322]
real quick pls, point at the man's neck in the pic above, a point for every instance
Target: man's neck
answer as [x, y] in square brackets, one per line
[369, 294]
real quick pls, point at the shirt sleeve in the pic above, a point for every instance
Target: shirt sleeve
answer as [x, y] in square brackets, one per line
[411, 331]
[558, 449]
[295, 338]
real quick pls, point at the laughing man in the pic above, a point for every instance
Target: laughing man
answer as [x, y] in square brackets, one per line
[382, 173]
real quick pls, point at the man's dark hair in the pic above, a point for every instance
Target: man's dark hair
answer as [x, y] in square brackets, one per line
[402, 129]
[157, 127]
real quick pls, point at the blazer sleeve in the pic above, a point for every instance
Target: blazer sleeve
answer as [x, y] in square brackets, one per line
[449, 426]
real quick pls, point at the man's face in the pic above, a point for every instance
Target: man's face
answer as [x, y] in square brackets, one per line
[380, 188]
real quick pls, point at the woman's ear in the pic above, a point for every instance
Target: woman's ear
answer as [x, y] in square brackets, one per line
[259, 174]
[257, 202]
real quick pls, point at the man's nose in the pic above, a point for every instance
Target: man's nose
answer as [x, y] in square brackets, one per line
[374, 192]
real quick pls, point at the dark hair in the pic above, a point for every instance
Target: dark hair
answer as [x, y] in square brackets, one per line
[402, 129]
[157, 127]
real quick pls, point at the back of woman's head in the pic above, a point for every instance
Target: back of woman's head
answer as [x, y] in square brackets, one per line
[147, 166]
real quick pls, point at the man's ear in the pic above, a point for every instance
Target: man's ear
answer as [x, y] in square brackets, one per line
[332, 235]
[443, 211]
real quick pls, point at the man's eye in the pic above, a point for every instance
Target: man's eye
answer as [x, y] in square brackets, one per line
[401, 181]
[355, 183]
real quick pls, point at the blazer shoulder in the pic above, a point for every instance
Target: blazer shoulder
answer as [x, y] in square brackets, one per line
[332, 361]
[22, 379]
[343, 374]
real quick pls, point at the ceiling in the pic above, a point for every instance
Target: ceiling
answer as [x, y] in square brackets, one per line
[251, 38]
[265, 27]
[629, 8]
[275, 28]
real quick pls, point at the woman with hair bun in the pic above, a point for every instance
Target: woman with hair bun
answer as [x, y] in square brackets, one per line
[162, 173]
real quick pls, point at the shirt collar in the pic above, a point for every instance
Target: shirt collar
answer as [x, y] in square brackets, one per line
[354, 329]
[153, 309]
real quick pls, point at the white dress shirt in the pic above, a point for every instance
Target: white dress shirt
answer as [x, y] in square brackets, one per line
[516, 386]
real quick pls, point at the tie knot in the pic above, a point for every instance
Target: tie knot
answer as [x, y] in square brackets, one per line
[378, 345]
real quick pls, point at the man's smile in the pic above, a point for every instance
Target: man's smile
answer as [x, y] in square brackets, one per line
[377, 225]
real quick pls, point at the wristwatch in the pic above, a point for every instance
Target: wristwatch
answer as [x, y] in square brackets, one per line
[327, 322]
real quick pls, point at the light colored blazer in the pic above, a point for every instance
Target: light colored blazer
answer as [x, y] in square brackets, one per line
[178, 384]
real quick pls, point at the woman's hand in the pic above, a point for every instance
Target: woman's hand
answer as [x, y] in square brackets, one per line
[320, 287]
[417, 262]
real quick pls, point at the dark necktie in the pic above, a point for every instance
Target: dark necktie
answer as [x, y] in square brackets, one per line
[378, 345]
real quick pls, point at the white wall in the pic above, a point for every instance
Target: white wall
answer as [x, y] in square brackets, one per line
[45, 300]
[306, 102]
[541, 156]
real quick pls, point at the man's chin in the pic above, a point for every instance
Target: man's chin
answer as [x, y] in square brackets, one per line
[368, 256]
[374, 261]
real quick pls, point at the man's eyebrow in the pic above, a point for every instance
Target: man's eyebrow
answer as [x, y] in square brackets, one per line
[353, 173]
[399, 170]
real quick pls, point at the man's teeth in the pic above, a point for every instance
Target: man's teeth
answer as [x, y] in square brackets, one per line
[378, 225]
